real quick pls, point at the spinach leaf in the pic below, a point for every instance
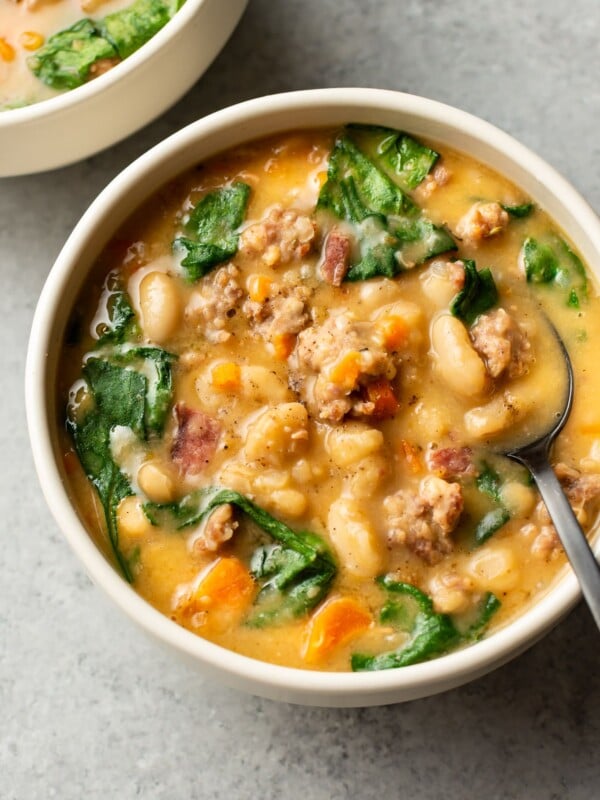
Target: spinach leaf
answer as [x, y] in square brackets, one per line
[128, 396]
[552, 261]
[294, 572]
[155, 364]
[519, 212]
[478, 294]
[64, 61]
[131, 27]
[430, 633]
[120, 322]
[356, 188]
[490, 523]
[486, 610]
[392, 232]
[213, 228]
[489, 482]
[405, 160]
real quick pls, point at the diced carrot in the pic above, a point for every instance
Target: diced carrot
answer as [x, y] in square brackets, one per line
[346, 370]
[228, 584]
[412, 456]
[381, 393]
[392, 331]
[259, 287]
[283, 344]
[333, 625]
[7, 51]
[226, 377]
[31, 40]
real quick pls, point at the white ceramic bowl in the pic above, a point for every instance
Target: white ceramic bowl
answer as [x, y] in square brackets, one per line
[82, 121]
[327, 107]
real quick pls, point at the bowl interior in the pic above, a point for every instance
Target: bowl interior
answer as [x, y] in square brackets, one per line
[192, 145]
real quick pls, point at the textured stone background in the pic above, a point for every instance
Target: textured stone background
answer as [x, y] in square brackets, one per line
[88, 707]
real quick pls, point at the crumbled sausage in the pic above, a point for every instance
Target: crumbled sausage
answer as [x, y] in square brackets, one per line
[283, 312]
[217, 529]
[437, 178]
[214, 302]
[423, 521]
[582, 490]
[284, 235]
[334, 364]
[502, 344]
[450, 462]
[481, 221]
[336, 261]
[195, 440]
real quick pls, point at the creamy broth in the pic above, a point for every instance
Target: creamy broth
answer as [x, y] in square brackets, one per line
[25, 27]
[363, 411]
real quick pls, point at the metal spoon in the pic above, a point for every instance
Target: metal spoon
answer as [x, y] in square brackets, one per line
[534, 455]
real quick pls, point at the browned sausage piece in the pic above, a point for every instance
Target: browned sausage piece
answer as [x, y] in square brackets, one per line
[196, 439]
[337, 257]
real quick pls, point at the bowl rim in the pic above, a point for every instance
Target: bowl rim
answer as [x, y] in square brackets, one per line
[70, 98]
[258, 676]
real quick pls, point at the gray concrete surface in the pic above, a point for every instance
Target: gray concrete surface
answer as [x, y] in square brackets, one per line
[88, 707]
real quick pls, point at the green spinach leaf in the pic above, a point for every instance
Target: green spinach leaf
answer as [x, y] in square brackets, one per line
[489, 482]
[490, 523]
[478, 294]
[519, 212]
[65, 60]
[405, 160]
[131, 27]
[156, 366]
[392, 232]
[430, 633]
[294, 572]
[212, 229]
[120, 317]
[128, 388]
[551, 261]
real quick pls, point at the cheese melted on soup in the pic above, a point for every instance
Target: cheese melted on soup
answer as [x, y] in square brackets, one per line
[298, 362]
[49, 46]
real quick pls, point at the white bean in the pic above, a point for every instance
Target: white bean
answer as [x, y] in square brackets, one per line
[456, 361]
[518, 498]
[278, 432]
[374, 293]
[438, 285]
[133, 523]
[494, 568]
[155, 482]
[352, 442]
[160, 306]
[354, 539]
[493, 417]
[287, 502]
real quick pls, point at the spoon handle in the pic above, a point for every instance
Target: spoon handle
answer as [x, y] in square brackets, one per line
[571, 535]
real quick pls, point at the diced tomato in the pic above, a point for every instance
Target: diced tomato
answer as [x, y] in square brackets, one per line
[381, 393]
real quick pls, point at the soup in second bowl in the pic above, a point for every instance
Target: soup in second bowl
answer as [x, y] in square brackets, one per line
[49, 46]
[288, 383]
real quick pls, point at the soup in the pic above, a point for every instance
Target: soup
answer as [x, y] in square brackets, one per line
[288, 384]
[49, 46]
